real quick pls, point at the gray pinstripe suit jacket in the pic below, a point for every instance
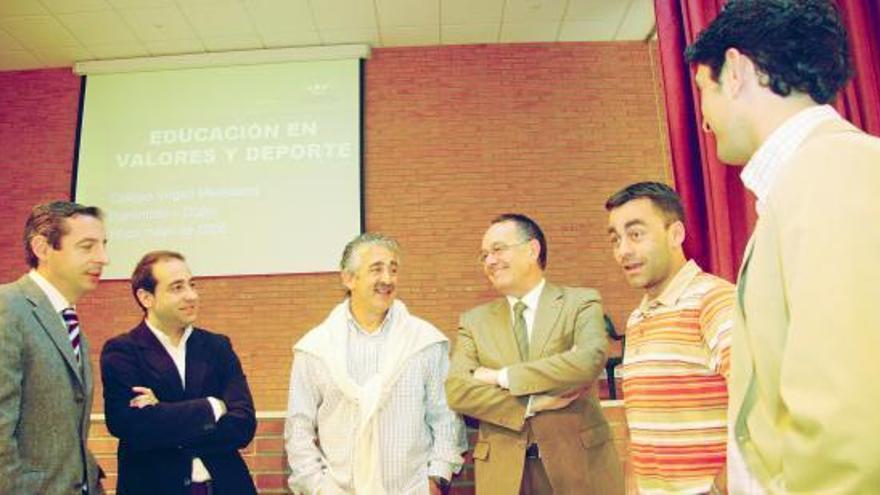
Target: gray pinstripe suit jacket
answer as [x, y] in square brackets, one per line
[45, 399]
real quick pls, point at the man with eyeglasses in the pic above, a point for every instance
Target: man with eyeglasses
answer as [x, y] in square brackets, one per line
[525, 365]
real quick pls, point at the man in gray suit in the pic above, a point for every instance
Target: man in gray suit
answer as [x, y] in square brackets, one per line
[45, 376]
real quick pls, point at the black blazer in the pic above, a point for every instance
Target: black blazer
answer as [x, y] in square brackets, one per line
[158, 443]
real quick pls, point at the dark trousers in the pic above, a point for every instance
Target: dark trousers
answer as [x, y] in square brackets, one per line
[535, 480]
[203, 488]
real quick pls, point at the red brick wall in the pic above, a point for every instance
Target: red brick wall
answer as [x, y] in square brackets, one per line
[38, 114]
[455, 135]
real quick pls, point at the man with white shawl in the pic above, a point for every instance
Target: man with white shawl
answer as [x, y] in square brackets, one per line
[367, 411]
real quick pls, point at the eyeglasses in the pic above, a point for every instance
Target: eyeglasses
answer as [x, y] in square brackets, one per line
[497, 250]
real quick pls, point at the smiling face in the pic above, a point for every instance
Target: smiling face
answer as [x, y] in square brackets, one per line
[373, 281]
[75, 267]
[510, 261]
[174, 303]
[645, 247]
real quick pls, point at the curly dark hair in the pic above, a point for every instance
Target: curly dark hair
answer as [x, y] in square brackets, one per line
[800, 45]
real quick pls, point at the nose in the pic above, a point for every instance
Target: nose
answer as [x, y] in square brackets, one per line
[491, 259]
[623, 250]
[706, 127]
[191, 293]
[101, 255]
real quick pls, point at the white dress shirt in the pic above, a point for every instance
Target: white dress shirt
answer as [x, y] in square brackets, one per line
[178, 355]
[761, 171]
[531, 301]
[58, 301]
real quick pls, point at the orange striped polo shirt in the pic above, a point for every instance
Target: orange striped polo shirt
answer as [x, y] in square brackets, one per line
[675, 369]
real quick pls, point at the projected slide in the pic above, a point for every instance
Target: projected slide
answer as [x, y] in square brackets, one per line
[245, 170]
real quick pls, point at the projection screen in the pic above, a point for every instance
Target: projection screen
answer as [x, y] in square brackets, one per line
[251, 169]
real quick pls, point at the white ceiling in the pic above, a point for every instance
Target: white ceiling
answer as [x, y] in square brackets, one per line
[57, 33]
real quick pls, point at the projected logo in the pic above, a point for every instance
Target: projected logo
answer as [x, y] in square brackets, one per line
[318, 89]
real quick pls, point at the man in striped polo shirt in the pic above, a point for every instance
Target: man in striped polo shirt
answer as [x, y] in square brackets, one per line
[675, 363]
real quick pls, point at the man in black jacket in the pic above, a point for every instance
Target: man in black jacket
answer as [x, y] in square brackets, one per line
[176, 395]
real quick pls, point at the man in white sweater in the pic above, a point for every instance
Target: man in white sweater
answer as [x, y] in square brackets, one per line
[367, 411]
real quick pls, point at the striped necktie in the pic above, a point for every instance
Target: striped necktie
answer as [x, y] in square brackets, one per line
[72, 321]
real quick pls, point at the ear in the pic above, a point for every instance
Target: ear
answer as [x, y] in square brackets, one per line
[145, 297]
[738, 69]
[677, 233]
[40, 246]
[347, 279]
[534, 249]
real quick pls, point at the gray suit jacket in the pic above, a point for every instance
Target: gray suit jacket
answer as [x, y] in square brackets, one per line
[45, 399]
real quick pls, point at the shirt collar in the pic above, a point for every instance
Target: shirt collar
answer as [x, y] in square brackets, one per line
[353, 324]
[531, 298]
[58, 301]
[761, 171]
[673, 292]
[165, 340]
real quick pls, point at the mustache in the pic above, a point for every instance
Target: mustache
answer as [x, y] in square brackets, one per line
[385, 286]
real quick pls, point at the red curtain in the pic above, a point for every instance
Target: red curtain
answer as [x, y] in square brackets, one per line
[860, 99]
[720, 211]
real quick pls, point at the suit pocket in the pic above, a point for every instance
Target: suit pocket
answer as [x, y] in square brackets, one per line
[596, 435]
[32, 482]
[481, 451]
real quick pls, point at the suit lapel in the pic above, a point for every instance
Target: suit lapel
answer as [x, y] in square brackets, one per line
[743, 267]
[84, 353]
[196, 363]
[548, 311]
[502, 331]
[158, 361]
[53, 325]
[833, 126]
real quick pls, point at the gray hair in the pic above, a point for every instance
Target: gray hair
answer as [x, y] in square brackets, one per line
[350, 255]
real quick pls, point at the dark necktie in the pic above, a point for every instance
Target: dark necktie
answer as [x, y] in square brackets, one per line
[72, 321]
[519, 330]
